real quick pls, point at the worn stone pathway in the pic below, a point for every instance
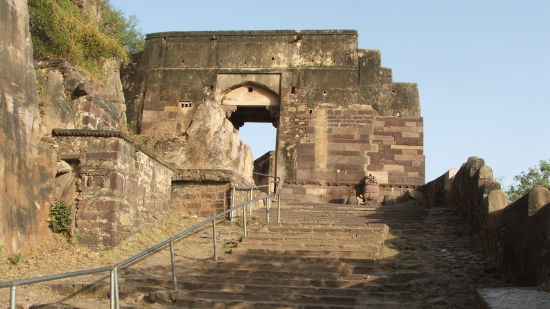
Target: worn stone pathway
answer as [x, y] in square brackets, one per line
[327, 256]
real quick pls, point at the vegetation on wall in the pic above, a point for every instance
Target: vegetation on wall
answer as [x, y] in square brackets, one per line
[534, 176]
[123, 30]
[60, 217]
[60, 29]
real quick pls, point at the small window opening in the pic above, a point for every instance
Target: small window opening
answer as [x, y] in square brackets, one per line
[186, 104]
[324, 93]
[211, 87]
[250, 89]
[293, 90]
[310, 111]
[272, 58]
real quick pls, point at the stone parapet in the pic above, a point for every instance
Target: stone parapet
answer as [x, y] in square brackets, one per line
[516, 235]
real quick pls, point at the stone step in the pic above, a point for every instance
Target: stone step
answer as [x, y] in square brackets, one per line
[373, 240]
[269, 296]
[253, 258]
[309, 266]
[270, 281]
[371, 254]
[319, 228]
[282, 274]
[190, 302]
[333, 235]
[310, 247]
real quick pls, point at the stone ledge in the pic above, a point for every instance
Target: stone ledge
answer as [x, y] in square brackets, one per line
[203, 175]
[513, 298]
[107, 134]
[332, 184]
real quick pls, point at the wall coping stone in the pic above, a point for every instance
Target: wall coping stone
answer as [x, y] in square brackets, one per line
[249, 33]
[110, 133]
[330, 184]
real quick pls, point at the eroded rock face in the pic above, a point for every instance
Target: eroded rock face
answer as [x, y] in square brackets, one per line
[26, 163]
[69, 99]
[209, 142]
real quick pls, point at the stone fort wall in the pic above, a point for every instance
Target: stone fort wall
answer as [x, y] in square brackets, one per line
[339, 117]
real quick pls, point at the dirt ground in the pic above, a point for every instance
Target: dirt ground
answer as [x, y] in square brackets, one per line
[58, 254]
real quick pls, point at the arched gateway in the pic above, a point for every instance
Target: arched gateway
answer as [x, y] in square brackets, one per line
[338, 114]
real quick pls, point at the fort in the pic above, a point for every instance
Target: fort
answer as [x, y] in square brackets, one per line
[162, 132]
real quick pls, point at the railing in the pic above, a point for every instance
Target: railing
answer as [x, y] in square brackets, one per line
[114, 276]
[250, 189]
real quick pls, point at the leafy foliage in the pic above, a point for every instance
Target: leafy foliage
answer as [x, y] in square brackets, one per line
[123, 30]
[59, 29]
[60, 217]
[535, 176]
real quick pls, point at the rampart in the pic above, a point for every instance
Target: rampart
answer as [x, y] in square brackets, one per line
[516, 236]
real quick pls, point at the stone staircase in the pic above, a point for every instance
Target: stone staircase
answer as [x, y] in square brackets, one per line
[325, 256]
[322, 256]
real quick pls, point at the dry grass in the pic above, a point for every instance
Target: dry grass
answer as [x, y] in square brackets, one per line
[56, 254]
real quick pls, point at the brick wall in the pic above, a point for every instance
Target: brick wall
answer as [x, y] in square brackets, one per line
[120, 187]
[341, 145]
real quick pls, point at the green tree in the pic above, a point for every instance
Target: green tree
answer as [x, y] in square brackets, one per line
[535, 176]
[123, 29]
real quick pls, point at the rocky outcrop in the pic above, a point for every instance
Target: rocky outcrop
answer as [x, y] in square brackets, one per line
[26, 163]
[70, 99]
[209, 142]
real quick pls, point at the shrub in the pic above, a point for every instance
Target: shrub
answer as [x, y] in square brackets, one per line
[59, 29]
[60, 217]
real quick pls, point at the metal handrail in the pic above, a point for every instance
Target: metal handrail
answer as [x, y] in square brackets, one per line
[114, 296]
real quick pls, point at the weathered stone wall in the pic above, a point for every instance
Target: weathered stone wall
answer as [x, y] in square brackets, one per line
[120, 187]
[339, 114]
[265, 165]
[516, 236]
[207, 192]
[26, 163]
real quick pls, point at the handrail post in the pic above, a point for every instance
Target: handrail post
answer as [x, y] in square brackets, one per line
[244, 222]
[214, 239]
[174, 279]
[13, 295]
[117, 294]
[250, 197]
[279, 208]
[114, 288]
[268, 193]
[232, 203]
[266, 210]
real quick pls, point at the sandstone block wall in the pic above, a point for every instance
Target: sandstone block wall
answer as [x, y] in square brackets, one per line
[120, 187]
[265, 165]
[516, 236]
[208, 192]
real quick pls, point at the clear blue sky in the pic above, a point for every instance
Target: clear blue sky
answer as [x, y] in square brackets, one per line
[483, 67]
